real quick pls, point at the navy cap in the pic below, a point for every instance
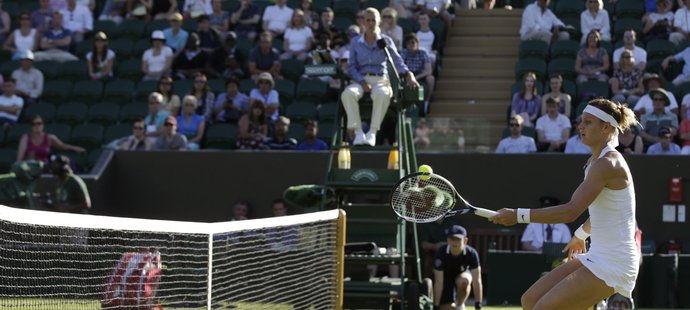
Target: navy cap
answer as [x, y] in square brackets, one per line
[456, 231]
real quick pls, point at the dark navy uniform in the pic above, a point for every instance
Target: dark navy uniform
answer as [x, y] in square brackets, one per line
[452, 266]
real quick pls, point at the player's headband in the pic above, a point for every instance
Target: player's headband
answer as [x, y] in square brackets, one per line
[600, 114]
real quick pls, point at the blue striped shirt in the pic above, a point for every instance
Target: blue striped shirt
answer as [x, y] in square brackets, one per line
[370, 59]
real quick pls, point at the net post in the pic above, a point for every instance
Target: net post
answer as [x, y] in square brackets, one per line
[340, 258]
[209, 290]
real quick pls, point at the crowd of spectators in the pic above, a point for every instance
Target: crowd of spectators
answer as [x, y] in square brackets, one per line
[649, 74]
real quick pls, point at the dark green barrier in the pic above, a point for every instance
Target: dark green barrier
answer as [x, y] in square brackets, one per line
[511, 274]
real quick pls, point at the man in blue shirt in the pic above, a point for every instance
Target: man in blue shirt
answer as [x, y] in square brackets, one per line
[55, 42]
[311, 142]
[664, 146]
[175, 36]
[369, 70]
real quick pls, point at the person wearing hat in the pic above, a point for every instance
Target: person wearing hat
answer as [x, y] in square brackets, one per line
[100, 59]
[70, 193]
[652, 122]
[665, 146]
[536, 234]
[266, 95]
[227, 61]
[644, 105]
[264, 58]
[280, 139]
[175, 36]
[29, 79]
[170, 139]
[456, 270]
[157, 60]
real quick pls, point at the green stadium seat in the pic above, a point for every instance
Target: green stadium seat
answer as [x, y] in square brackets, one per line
[292, 69]
[93, 157]
[217, 85]
[593, 88]
[109, 27]
[133, 29]
[140, 46]
[88, 136]
[569, 8]
[45, 110]
[230, 5]
[580, 107]
[118, 131]
[518, 84]
[296, 131]
[144, 89]
[328, 112]
[15, 134]
[221, 136]
[130, 69]
[28, 6]
[104, 113]
[294, 4]
[301, 111]
[438, 27]
[564, 67]
[247, 85]
[407, 24]
[278, 44]
[311, 90]
[320, 5]
[182, 87]
[608, 46]
[660, 49]
[190, 25]
[48, 68]
[346, 8]
[378, 4]
[630, 9]
[533, 49]
[119, 91]
[73, 70]
[7, 67]
[244, 46]
[7, 157]
[61, 130]
[286, 91]
[132, 111]
[89, 91]
[624, 24]
[156, 24]
[123, 47]
[12, 8]
[565, 49]
[82, 48]
[72, 113]
[57, 91]
[326, 130]
[530, 65]
[343, 22]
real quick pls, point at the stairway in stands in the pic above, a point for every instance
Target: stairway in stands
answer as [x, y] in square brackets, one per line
[477, 73]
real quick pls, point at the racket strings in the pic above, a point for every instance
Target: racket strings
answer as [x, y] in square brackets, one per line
[420, 200]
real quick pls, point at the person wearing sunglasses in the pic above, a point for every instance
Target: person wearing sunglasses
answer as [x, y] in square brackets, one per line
[137, 141]
[38, 144]
[658, 118]
[516, 142]
[170, 139]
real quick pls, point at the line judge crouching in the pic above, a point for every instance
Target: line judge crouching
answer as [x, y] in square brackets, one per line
[368, 68]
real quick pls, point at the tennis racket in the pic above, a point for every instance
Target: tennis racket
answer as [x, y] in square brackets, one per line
[424, 197]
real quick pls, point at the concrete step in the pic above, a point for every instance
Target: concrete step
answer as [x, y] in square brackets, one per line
[483, 30]
[476, 74]
[480, 51]
[480, 21]
[489, 13]
[490, 85]
[490, 109]
[479, 63]
[498, 42]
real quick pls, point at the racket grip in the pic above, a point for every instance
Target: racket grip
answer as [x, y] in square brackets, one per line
[485, 212]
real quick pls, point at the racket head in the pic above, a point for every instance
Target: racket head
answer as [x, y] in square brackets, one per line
[423, 197]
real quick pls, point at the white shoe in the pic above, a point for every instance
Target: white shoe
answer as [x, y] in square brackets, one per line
[370, 138]
[461, 307]
[360, 138]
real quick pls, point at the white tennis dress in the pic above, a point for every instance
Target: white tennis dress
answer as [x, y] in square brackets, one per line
[613, 256]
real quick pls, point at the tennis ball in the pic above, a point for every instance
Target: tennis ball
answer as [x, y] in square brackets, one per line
[425, 168]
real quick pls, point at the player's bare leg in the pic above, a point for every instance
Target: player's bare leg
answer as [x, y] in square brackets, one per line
[547, 282]
[579, 290]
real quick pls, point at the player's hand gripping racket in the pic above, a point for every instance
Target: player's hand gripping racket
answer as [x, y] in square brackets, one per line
[424, 197]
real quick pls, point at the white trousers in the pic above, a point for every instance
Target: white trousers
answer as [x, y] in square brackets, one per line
[381, 93]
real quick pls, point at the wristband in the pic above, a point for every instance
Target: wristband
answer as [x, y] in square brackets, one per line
[581, 234]
[523, 215]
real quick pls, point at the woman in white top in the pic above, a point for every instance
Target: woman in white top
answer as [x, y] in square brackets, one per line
[156, 60]
[612, 263]
[100, 60]
[389, 26]
[297, 38]
[24, 38]
[595, 18]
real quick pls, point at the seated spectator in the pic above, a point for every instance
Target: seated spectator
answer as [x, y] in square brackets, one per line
[421, 134]
[681, 26]
[240, 210]
[253, 127]
[553, 129]
[592, 61]
[267, 95]
[10, 104]
[100, 59]
[405, 8]
[38, 145]
[227, 61]
[196, 8]
[684, 132]
[175, 36]
[155, 9]
[344, 51]
[311, 142]
[156, 117]
[418, 61]
[640, 55]
[563, 99]
[191, 60]
[190, 124]
[516, 142]
[264, 58]
[114, 10]
[659, 24]
[219, 20]
[526, 102]
[231, 104]
[277, 17]
[209, 40]
[41, 17]
[389, 26]
[320, 55]
[5, 24]
[325, 26]
[55, 42]
[170, 139]
[574, 145]
[684, 56]
[297, 38]
[595, 17]
[171, 101]
[361, 23]
[629, 143]
[24, 38]
[278, 207]
[427, 38]
[80, 22]
[659, 117]
[311, 17]
[626, 83]
[280, 139]
[536, 234]
[538, 22]
[157, 60]
[644, 105]
[435, 8]
[29, 79]
[205, 98]
[664, 146]
[137, 141]
[245, 20]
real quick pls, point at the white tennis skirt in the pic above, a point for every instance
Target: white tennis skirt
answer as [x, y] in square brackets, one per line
[617, 270]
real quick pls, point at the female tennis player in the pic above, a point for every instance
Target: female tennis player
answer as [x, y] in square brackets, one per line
[611, 265]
